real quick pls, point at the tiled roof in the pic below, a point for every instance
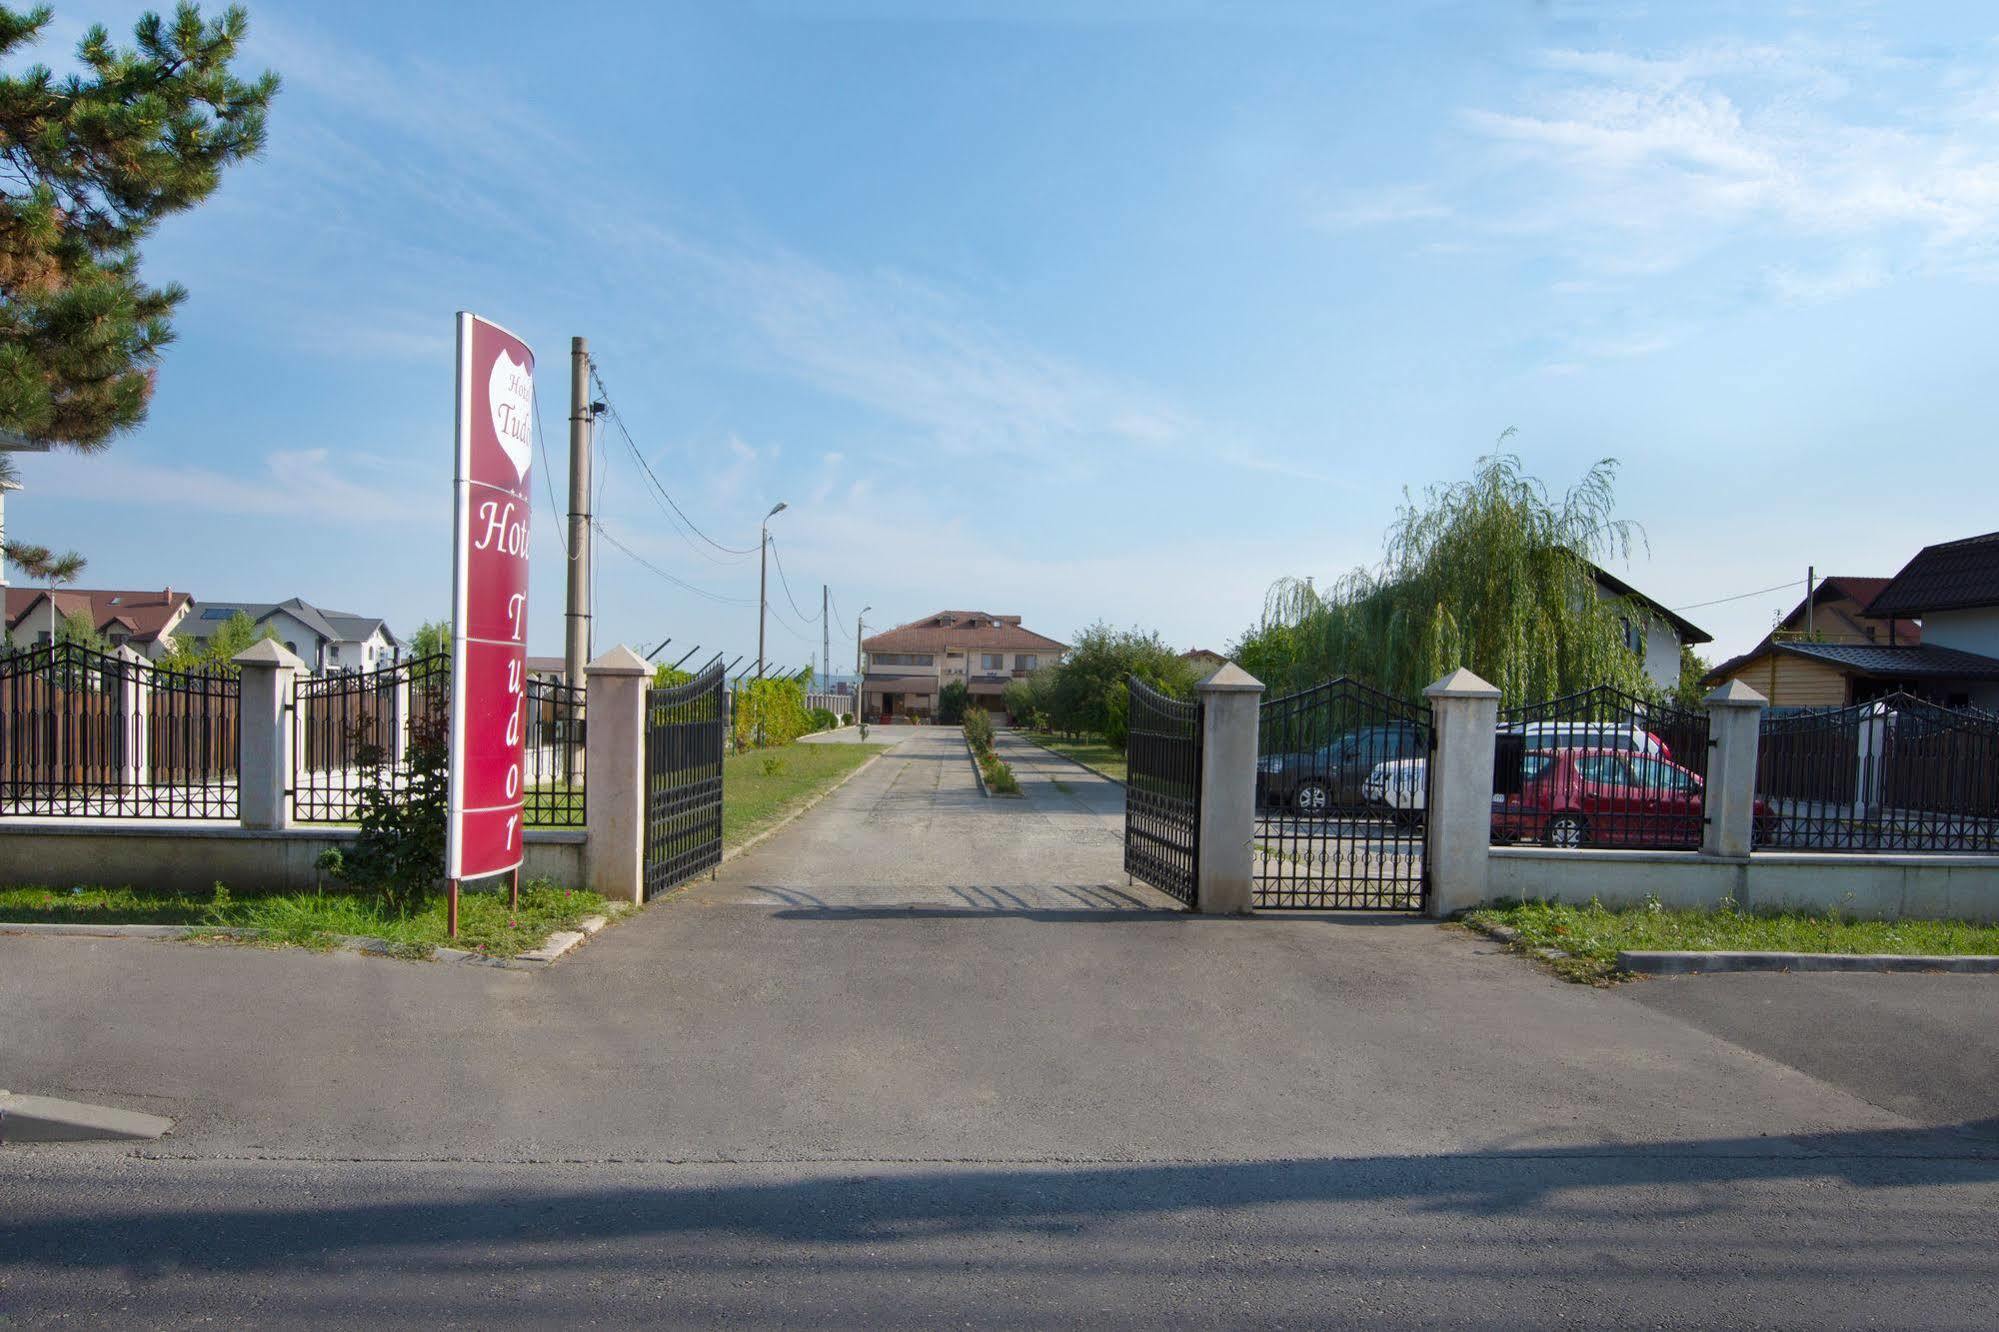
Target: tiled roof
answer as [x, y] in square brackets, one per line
[1922, 660]
[1954, 575]
[145, 614]
[968, 631]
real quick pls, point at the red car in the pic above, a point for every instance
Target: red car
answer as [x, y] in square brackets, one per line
[1607, 797]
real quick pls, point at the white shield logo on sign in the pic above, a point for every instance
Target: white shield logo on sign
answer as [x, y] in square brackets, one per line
[510, 392]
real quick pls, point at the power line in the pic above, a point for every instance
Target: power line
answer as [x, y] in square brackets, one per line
[672, 508]
[675, 579]
[786, 584]
[1740, 596]
[548, 479]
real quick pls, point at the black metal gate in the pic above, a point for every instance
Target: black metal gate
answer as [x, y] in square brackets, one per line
[1342, 783]
[1162, 793]
[684, 729]
[1603, 768]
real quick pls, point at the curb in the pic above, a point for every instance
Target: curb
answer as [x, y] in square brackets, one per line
[1693, 964]
[551, 948]
[1074, 762]
[732, 852]
[46, 1119]
[977, 775]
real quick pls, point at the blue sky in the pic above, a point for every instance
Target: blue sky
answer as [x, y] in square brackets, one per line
[1079, 310]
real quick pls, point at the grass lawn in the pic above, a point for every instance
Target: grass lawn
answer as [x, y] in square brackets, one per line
[1594, 935]
[760, 786]
[1092, 753]
[311, 920]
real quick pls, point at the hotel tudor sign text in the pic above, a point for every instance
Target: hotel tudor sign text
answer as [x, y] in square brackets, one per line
[489, 600]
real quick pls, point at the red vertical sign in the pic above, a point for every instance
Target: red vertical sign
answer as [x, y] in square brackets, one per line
[489, 600]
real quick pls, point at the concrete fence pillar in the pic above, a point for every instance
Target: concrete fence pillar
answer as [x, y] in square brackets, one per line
[1464, 712]
[399, 719]
[1734, 729]
[1871, 746]
[614, 817]
[264, 762]
[1231, 699]
[135, 708]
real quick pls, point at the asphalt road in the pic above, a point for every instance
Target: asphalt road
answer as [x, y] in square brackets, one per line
[925, 1057]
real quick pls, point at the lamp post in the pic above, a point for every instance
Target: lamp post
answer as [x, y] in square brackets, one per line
[860, 693]
[763, 587]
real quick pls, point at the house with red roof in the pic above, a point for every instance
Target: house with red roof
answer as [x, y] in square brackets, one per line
[907, 667]
[142, 620]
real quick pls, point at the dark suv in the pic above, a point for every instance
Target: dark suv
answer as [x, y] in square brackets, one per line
[1326, 779]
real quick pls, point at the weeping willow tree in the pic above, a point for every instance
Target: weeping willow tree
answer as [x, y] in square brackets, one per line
[1495, 573]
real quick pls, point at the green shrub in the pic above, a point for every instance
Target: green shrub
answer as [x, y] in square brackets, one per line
[952, 701]
[979, 730]
[770, 712]
[846, 719]
[399, 854]
[999, 777]
[823, 719]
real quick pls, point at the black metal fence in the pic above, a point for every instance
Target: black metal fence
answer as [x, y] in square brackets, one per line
[1896, 774]
[359, 727]
[683, 780]
[554, 781]
[1342, 786]
[1603, 768]
[1162, 793]
[94, 735]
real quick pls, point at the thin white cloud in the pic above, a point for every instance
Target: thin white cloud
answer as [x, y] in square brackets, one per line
[296, 483]
[1387, 205]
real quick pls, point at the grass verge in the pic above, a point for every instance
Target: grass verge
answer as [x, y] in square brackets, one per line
[1594, 935]
[761, 786]
[314, 920]
[1092, 753]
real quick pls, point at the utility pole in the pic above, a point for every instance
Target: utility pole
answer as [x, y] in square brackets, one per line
[1811, 580]
[825, 634]
[763, 591]
[576, 624]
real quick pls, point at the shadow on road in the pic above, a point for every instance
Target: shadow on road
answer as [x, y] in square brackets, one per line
[875, 1204]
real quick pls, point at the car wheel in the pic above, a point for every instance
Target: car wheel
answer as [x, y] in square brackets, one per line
[1567, 830]
[1312, 798]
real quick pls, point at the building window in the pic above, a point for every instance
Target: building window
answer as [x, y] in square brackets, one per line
[992, 661]
[1634, 637]
[903, 659]
[1026, 661]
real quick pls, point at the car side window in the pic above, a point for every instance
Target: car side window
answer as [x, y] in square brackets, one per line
[1534, 765]
[1604, 769]
[1660, 776]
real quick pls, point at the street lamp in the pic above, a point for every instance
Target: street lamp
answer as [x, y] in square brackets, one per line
[763, 586]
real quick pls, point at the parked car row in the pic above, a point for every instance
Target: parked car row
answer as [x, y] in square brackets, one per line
[1580, 783]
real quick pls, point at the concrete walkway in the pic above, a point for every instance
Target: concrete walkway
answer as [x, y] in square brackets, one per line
[924, 1056]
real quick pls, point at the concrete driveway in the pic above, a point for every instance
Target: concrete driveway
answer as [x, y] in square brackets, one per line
[923, 1056]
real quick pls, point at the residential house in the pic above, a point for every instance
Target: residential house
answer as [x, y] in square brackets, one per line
[1788, 666]
[907, 667]
[143, 620]
[1204, 661]
[331, 642]
[1935, 635]
[1653, 631]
